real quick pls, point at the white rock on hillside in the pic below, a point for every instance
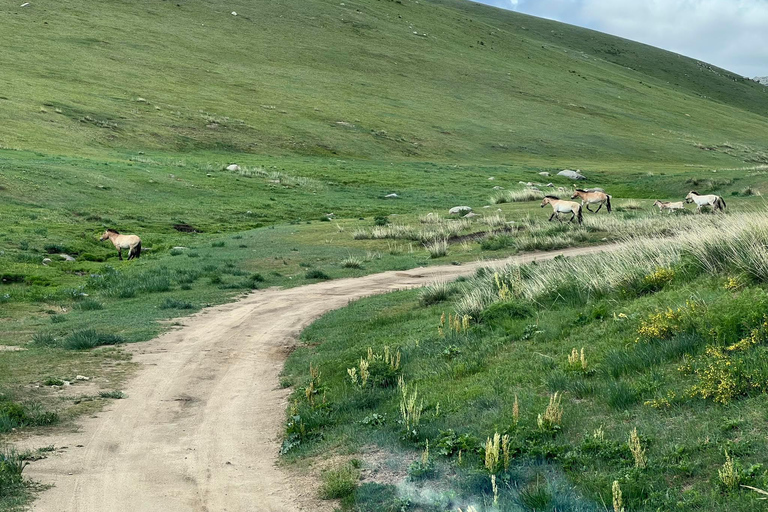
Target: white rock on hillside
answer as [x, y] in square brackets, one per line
[233, 167]
[463, 210]
[574, 175]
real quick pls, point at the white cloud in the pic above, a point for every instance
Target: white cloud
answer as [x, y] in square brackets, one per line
[732, 34]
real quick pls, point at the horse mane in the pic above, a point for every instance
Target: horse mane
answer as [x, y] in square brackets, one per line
[694, 192]
[110, 230]
[581, 190]
[553, 197]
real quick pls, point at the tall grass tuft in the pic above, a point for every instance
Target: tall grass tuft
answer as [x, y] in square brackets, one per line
[516, 196]
[90, 338]
[437, 248]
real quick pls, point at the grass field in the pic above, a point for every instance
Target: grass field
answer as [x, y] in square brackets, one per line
[131, 120]
[668, 339]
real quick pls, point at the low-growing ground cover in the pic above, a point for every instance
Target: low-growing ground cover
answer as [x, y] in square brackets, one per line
[645, 379]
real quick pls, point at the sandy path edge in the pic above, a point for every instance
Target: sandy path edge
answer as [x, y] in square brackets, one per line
[200, 427]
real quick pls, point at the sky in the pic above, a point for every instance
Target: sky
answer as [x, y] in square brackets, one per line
[731, 34]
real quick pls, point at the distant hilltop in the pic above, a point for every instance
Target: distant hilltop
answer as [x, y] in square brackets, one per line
[761, 80]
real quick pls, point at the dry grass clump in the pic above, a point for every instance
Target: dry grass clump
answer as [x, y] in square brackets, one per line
[715, 244]
[437, 248]
[516, 196]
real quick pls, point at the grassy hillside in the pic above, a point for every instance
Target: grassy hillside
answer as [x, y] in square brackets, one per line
[126, 114]
[438, 80]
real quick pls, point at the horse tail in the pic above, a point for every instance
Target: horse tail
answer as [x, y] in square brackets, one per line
[722, 203]
[580, 217]
[608, 202]
[137, 250]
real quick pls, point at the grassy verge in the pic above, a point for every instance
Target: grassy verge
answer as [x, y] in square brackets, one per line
[580, 379]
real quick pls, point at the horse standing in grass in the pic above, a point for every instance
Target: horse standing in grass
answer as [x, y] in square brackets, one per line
[560, 206]
[669, 206]
[130, 242]
[711, 200]
[589, 197]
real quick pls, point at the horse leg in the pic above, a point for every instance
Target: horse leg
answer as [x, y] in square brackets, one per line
[131, 254]
[588, 208]
[598, 208]
[551, 216]
[120, 254]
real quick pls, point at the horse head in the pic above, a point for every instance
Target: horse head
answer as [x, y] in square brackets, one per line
[107, 233]
[689, 197]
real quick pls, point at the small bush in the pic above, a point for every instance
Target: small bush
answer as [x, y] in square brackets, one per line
[43, 339]
[53, 248]
[11, 467]
[339, 483]
[497, 242]
[89, 305]
[316, 273]
[380, 221]
[169, 303]
[192, 255]
[57, 319]
[176, 252]
[53, 381]
[218, 244]
[15, 415]
[90, 338]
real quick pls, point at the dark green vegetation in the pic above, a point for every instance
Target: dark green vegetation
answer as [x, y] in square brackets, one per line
[564, 375]
[126, 115]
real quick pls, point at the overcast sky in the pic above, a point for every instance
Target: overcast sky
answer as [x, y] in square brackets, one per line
[732, 34]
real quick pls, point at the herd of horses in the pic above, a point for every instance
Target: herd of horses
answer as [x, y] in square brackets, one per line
[132, 243]
[600, 198]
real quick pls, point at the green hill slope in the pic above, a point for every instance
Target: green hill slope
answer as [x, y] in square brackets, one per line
[428, 80]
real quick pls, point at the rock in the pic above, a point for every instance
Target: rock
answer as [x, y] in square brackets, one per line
[66, 257]
[233, 13]
[233, 167]
[460, 210]
[178, 248]
[491, 178]
[521, 183]
[82, 377]
[330, 215]
[550, 185]
[498, 188]
[574, 175]
[25, 4]
[544, 173]
[470, 215]
[46, 261]
[391, 196]
[487, 206]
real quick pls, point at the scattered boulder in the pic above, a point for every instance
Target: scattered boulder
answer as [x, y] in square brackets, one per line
[391, 196]
[233, 13]
[82, 377]
[574, 175]
[544, 173]
[550, 185]
[233, 167]
[491, 178]
[498, 188]
[46, 261]
[460, 210]
[470, 215]
[66, 257]
[178, 248]
[487, 206]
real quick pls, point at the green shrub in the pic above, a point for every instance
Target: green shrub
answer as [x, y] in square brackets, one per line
[497, 242]
[43, 339]
[57, 319]
[218, 244]
[113, 394]
[16, 415]
[316, 273]
[53, 381]
[436, 292]
[339, 483]
[90, 338]
[11, 467]
[169, 303]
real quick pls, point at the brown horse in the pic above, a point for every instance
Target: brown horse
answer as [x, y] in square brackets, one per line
[130, 242]
[559, 206]
[593, 197]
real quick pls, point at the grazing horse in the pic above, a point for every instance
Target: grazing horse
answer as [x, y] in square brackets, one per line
[711, 200]
[130, 242]
[589, 197]
[669, 206]
[560, 206]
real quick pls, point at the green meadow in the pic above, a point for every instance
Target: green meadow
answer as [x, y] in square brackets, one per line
[127, 115]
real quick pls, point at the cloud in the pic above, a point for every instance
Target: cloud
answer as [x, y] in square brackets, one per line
[728, 33]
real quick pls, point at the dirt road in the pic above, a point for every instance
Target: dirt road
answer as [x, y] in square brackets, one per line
[200, 427]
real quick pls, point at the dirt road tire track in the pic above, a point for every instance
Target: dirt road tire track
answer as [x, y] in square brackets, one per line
[200, 427]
